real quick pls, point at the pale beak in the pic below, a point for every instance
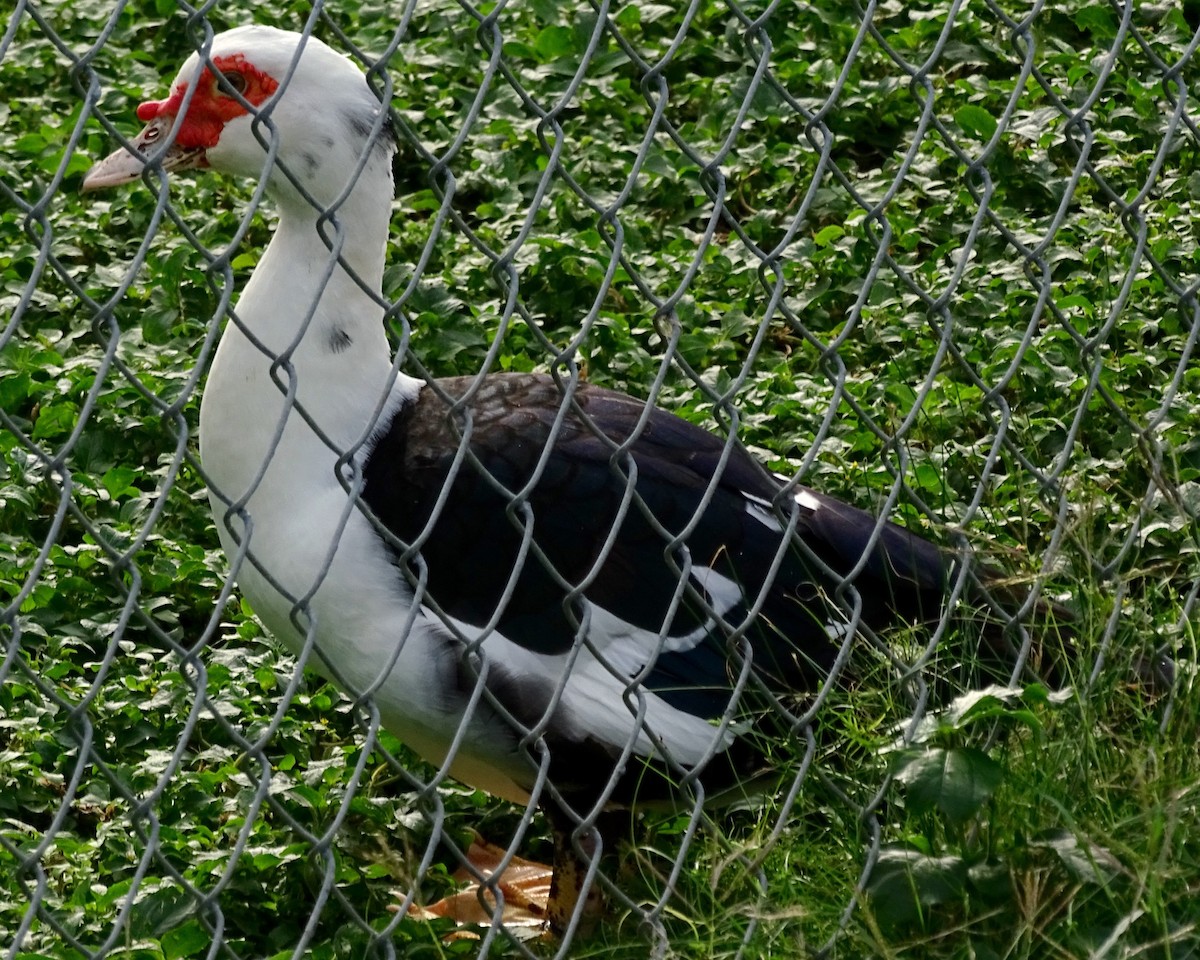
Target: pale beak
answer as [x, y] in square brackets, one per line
[125, 166]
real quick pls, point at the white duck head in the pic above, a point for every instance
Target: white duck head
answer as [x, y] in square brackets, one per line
[260, 93]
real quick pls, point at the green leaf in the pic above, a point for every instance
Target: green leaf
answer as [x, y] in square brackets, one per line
[905, 880]
[977, 704]
[991, 880]
[956, 781]
[1097, 19]
[31, 143]
[656, 11]
[164, 909]
[185, 941]
[14, 387]
[54, 420]
[1091, 864]
[118, 481]
[628, 17]
[975, 120]
[826, 235]
[554, 42]
[1077, 300]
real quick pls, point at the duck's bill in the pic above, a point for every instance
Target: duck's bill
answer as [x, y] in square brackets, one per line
[124, 166]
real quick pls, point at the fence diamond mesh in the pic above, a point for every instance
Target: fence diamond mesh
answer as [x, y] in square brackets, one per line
[937, 260]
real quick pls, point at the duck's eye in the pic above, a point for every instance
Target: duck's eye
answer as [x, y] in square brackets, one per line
[237, 82]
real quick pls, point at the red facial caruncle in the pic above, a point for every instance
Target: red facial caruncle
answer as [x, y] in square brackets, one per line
[211, 107]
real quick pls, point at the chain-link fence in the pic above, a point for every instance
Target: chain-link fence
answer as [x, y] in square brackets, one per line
[940, 261]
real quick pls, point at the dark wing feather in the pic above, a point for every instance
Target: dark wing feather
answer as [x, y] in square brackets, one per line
[475, 542]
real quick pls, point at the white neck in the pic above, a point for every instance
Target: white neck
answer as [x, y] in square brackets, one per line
[320, 328]
[359, 224]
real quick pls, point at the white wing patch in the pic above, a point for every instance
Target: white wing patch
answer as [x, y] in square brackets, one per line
[761, 509]
[596, 686]
[836, 630]
[808, 500]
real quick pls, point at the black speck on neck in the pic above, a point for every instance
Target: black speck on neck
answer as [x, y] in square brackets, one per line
[339, 340]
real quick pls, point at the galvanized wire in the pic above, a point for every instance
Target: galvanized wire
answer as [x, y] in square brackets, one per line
[32, 203]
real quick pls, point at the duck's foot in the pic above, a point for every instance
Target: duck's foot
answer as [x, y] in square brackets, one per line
[524, 886]
[537, 899]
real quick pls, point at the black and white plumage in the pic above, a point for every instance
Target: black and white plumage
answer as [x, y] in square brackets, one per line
[550, 528]
[605, 501]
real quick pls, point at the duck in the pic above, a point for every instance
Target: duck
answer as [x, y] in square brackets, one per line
[554, 592]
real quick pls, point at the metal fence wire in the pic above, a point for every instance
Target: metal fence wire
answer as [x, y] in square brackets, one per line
[938, 260]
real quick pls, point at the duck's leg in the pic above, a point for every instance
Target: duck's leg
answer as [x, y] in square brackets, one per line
[574, 888]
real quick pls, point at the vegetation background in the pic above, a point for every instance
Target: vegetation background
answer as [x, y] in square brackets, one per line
[937, 259]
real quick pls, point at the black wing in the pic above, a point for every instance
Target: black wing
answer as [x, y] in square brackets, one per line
[580, 498]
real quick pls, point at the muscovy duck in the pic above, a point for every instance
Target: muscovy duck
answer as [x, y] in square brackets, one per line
[522, 571]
